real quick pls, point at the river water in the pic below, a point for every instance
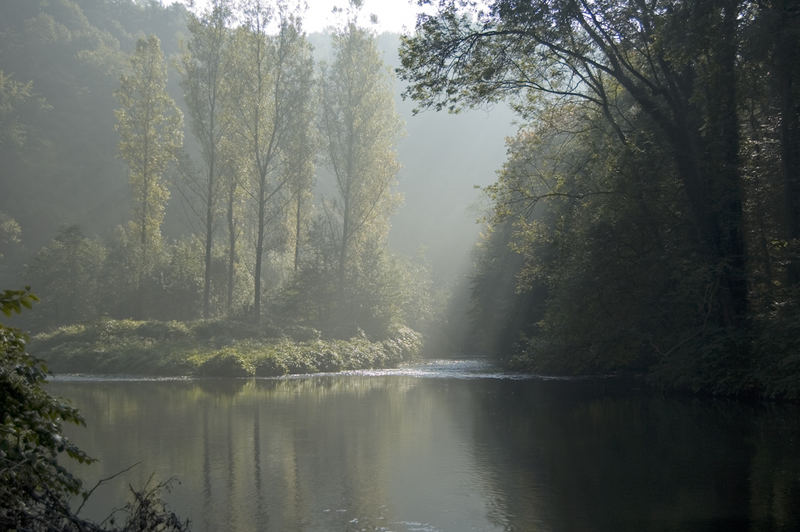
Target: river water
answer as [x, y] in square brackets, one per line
[440, 446]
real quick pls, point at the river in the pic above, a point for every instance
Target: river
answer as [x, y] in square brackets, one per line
[439, 446]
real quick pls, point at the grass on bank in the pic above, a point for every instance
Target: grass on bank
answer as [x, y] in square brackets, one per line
[213, 348]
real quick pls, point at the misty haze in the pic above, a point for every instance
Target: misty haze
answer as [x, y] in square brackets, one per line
[523, 266]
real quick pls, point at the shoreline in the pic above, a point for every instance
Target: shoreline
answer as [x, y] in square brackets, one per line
[177, 349]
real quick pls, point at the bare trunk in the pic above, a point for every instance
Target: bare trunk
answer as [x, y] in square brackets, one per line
[209, 239]
[231, 248]
[143, 231]
[297, 231]
[259, 251]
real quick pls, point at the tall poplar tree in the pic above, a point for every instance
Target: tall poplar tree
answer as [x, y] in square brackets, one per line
[299, 158]
[203, 78]
[269, 80]
[360, 128]
[150, 126]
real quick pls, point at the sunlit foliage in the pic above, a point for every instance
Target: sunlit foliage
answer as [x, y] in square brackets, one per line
[36, 488]
[360, 128]
[151, 132]
[270, 77]
[202, 77]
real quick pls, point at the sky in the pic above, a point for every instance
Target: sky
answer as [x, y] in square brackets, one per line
[397, 16]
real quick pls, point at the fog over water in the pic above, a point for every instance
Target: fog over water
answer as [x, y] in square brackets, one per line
[524, 267]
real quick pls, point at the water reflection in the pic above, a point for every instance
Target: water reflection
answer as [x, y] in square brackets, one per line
[401, 451]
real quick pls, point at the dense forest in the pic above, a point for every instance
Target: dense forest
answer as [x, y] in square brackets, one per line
[647, 215]
[247, 188]
[645, 219]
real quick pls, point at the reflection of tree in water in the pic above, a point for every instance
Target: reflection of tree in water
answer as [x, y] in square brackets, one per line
[295, 448]
[226, 387]
[775, 470]
[571, 456]
[262, 452]
[357, 452]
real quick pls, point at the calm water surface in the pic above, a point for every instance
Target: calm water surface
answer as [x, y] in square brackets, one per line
[441, 446]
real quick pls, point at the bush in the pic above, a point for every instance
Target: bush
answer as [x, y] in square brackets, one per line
[35, 489]
[327, 360]
[271, 367]
[718, 363]
[220, 348]
[227, 364]
[147, 510]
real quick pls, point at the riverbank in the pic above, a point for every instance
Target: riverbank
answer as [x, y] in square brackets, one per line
[764, 366]
[213, 348]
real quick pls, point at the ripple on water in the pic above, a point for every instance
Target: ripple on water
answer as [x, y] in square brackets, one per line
[80, 377]
[447, 369]
[429, 369]
[414, 526]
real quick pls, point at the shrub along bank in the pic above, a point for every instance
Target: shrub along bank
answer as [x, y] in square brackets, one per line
[213, 348]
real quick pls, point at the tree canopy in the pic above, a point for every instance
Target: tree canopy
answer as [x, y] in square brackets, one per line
[637, 157]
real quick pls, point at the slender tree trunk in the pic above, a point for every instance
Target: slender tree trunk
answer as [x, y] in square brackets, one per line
[346, 188]
[259, 250]
[297, 230]
[343, 245]
[343, 312]
[231, 247]
[143, 233]
[209, 235]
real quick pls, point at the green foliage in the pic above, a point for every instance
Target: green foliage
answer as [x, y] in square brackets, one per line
[119, 279]
[225, 329]
[777, 350]
[11, 246]
[345, 280]
[203, 72]
[577, 253]
[35, 488]
[70, 69]
[360, 128]
[13, 301]
[147, 510]
[269, 85]
[34, 484]
[15, 97]
[151, 131]
[227, 364]
[719, 363]
[172, 289]
[640, 205]
[379, 291]
[10, 233]
[70, 255]
[215, 348]
[179, 282]
[67, 67]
